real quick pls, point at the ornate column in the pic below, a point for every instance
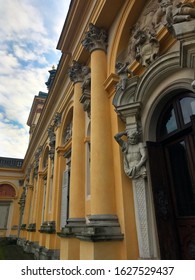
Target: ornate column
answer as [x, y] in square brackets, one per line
[77, 175]
[102, 218]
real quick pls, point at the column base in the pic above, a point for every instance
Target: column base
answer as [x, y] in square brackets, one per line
[49, 254]
[74, 226]
[101, 228]
[94, 228]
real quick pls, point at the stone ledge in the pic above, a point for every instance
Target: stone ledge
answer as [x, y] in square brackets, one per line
[48, 227]
[95, 228]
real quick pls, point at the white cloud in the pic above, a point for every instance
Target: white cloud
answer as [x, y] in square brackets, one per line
[29, 31]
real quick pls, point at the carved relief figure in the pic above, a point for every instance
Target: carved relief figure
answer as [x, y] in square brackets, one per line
[75, 72]
[174, 12]
[86, 90]
[68, 132]
[134, 154]
[183, 12]
[86, 84]
[146, 47]
[52, 136]
[123, 72]
[164, 11]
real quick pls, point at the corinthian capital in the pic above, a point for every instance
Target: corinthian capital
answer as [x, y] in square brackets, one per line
[95, 38]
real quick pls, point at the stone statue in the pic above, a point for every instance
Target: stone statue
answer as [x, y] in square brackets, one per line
[123, 72]
[68, 132]
[86, 84]
[146, 47]
[52, 136]
[164, 11]
[183, 12]
[134, 154]
[75, 72]
[174, 12]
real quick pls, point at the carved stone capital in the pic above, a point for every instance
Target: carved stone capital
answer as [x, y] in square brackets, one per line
[75, 72]
[95, 39]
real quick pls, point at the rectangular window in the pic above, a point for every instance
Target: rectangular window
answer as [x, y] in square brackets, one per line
[4, 213]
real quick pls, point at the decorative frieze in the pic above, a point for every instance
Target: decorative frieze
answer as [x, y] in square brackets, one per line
[95, 39]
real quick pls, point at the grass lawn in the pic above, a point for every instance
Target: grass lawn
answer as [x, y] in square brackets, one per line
[11, 251]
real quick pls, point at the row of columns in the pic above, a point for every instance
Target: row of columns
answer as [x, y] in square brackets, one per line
[102, 204]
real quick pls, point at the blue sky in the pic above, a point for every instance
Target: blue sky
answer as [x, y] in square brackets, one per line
[29, 33]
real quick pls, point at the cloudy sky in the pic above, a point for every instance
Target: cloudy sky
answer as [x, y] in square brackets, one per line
[29, 33]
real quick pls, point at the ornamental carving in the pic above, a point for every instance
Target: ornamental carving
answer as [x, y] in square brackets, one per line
[75, 72]
[57, 119]
[95, 38]
[134, 153]
[52, 141]
[143, 43]
[173, 12]
[22, 200]
[86, 90]
[68, 132]
[146, 47]
[52, 136]
[124, 73]
[36, 162]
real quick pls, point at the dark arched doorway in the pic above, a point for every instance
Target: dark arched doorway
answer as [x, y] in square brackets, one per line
[172, 169]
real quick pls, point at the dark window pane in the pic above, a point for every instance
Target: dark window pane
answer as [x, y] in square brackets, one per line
[184, 193]
[169, 123]
[188, 108]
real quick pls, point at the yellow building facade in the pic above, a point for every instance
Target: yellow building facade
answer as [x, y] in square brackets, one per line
[109, 171]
